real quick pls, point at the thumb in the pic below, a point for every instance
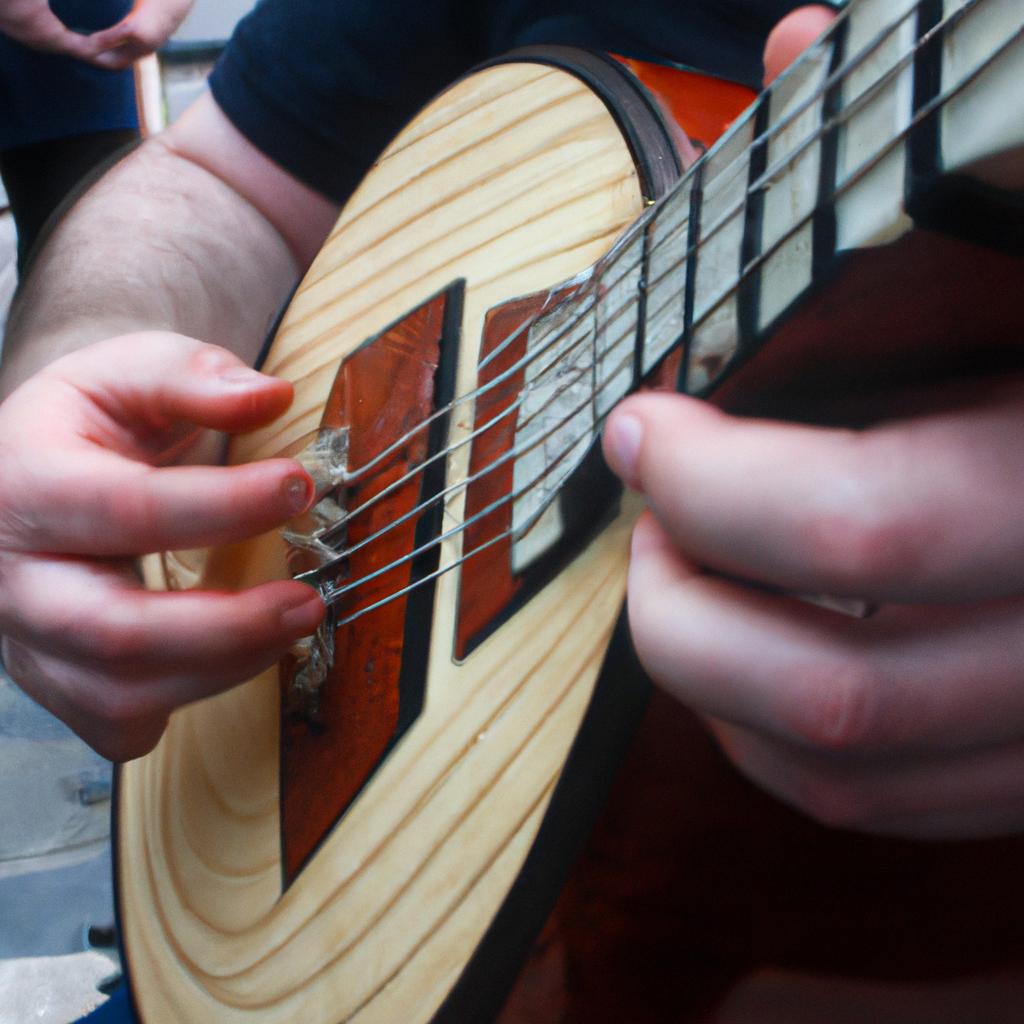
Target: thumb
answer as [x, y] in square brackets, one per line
[792, 36]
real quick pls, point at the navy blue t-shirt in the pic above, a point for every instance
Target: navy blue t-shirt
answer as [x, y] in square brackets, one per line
[322, 86]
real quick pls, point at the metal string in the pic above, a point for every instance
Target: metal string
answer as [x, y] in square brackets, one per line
[332, 593]
[454, 488]
[335, 594]
[632, 232]
[610, 261]
[751, 266]
[328, 533]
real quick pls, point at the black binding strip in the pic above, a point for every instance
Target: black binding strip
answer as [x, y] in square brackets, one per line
[748, 296]
[693, 230]
[634, 109]
[923, 146]
[616, 707]
[824, 230]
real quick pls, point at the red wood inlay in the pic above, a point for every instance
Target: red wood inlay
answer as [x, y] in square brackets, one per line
[702, 106]
[487, 584]
[381, 392]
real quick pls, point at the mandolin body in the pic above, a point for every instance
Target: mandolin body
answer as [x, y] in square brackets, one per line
[379, 846]
[516, 179]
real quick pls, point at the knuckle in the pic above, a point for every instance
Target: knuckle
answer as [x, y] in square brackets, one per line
[815, 785]
[115, 706]
[129, 507]
[114, 640]
[210, 360]
[123, 721]
[657, 648]
[852, 549]
[837, 706]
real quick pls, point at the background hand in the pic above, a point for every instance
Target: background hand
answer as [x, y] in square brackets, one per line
[33, 23]
[86, 487]
[146, 28]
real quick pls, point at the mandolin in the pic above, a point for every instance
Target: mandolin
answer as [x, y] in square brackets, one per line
[374, 829]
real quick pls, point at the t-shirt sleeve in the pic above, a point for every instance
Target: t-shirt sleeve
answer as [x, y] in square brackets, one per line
[322, 86]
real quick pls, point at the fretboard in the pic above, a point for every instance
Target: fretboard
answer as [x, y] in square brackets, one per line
[868, 135]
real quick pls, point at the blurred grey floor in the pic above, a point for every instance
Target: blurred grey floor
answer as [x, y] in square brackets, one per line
[55, 871]
[54, 836]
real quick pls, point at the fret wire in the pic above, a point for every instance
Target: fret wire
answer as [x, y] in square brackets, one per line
[648, 215]
[814, 137]
[868, 165]
[865, 168]
[790, 157]
[619, 251]
[729, 291]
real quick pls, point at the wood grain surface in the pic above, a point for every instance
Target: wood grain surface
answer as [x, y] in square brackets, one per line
[514, 180]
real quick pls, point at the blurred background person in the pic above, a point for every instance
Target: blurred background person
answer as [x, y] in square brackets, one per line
[67, 94]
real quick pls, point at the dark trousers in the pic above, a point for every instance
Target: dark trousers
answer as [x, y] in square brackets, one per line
[40, 178]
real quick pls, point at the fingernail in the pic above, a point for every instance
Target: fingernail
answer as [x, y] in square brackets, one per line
[241, 375]
[625, 435]
[302, 617]
[298, 492]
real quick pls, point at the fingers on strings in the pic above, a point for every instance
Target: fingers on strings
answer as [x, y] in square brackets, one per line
[909, 680]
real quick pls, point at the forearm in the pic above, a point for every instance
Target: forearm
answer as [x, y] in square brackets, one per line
[158, 243]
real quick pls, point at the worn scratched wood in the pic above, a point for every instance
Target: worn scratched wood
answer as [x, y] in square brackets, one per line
[514, 197]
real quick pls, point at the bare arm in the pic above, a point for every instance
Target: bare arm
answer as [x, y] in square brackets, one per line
[194, 236]
[195, 232]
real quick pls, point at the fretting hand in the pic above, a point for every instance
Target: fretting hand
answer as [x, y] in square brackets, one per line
[908, 722]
